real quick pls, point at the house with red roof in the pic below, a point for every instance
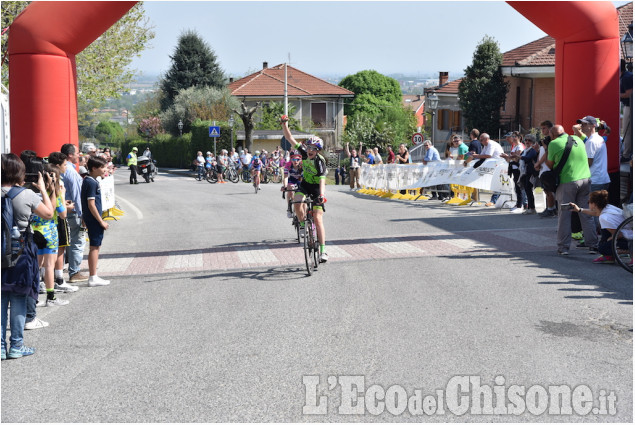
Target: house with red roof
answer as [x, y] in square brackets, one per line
[319, 105]
[416, 103]
[447, 119]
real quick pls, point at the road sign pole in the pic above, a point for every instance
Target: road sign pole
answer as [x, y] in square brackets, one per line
[214, 124]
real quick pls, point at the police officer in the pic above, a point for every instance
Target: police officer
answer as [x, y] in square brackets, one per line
[132, 163]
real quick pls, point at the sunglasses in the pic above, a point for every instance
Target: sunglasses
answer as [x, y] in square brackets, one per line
[295, 159]
[311, 148]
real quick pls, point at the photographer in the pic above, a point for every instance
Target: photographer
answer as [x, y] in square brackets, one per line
[610, 217]
[24, 204]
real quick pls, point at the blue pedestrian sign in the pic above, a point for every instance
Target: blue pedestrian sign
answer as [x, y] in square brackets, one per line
[214, 131]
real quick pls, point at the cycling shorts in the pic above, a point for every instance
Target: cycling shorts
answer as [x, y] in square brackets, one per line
[312, 190]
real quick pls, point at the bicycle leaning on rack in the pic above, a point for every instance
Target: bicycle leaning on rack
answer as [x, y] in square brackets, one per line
[311, 244]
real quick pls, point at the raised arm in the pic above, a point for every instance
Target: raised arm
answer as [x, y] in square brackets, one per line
[284, 120]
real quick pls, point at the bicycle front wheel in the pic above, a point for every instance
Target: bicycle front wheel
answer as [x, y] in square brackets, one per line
[623, 244]
[233, 175]
[212, 177]
[308, 250]
[316, 247]
[245, 176]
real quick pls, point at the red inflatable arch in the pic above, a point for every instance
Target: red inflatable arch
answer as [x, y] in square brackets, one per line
[45, 38]
[587, 61]
[43, 42]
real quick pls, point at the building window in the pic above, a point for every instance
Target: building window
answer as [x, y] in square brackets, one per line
[318, 114]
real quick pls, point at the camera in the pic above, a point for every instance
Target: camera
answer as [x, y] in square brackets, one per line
[30, 178]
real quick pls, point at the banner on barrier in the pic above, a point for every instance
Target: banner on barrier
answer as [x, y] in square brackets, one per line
[490, 175]
[107, 186]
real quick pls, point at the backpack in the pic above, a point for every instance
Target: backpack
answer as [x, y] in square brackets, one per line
[8, 222]
[21, 274]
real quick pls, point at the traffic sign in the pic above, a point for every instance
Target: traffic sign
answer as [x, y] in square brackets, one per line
[214, 131]
[417, 139]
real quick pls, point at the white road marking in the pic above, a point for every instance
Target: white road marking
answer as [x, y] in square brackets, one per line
[114, 265]
[527, 237]
[251, 256]
[335, 251]
[136, 210]
[398, 247]
[185, 261]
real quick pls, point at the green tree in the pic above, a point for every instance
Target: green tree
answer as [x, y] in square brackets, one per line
[193, 64]
[373, 93]
[270, 117]
[10, 10]
[198, 103]
[109, 132]
[483, 90]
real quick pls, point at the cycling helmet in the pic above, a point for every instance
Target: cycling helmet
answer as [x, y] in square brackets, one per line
[315, 141]
[257, 153]
[296, 154]
[242, 152]
[223, 151]
[208, 153]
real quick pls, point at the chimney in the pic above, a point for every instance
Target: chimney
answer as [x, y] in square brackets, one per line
[231, 80]
[418, 97]
[265, 65]
[443, 78]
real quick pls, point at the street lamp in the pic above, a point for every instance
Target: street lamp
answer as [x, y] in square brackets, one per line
[231, 126]
[627, 43]
[180, 126]
[433, 104]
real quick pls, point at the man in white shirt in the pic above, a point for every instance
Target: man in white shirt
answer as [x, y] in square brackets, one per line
[491, 149]
[595, 151]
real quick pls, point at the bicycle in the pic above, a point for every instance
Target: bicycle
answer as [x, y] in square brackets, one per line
[211, 175]
[294, 220]
[273, 174]
[245, 175]
[231, 173]
[623, 253]
[311, 244]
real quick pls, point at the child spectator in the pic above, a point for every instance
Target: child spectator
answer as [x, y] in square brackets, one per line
[95, 225]
[47, 255]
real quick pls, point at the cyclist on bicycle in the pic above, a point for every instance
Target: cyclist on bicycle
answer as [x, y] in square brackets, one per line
[292, 178]
[222, 165]
[255, 167]
[313, 181]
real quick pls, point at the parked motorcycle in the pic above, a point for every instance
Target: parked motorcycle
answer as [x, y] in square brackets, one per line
[147, 168]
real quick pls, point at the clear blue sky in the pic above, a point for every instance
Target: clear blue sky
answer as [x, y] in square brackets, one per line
[336, 38]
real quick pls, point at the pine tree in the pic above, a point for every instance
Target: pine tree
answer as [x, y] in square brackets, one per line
[483, 90]
[193, 64]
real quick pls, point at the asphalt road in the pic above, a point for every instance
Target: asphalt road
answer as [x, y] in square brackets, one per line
[210, 317]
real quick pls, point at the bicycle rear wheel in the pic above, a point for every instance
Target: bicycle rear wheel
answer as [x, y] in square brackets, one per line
[623, 246]
[308, 250]
[211, 177]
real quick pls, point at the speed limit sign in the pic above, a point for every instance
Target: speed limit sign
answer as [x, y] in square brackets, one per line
[417, 138]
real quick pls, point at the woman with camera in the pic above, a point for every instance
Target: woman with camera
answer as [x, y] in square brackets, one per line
[47, 250]
[24, 204]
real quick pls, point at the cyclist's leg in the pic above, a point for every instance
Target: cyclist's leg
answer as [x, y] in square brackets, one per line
[319, 224]
[299, 208]
[257, 178]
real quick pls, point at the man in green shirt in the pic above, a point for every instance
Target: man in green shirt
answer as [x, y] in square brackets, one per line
[575, 187]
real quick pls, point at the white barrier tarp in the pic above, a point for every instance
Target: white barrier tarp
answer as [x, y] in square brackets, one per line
[107, 186]
[490, 175]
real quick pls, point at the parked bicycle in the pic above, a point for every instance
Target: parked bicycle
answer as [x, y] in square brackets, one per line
[623, 244]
